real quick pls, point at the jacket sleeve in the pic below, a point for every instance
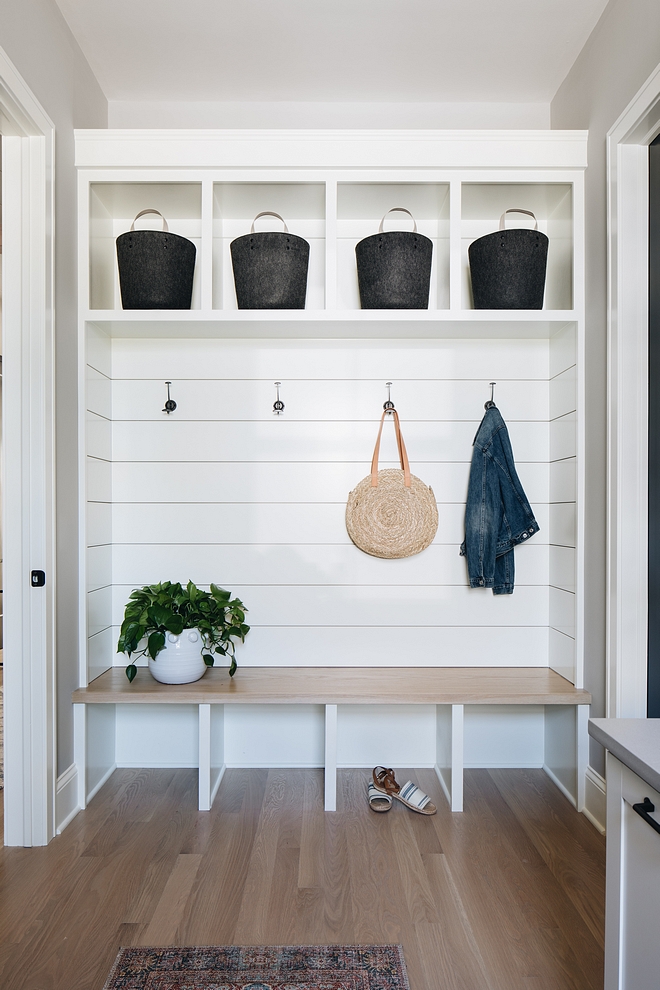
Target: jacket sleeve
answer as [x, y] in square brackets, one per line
[483, 519]
[517, 522]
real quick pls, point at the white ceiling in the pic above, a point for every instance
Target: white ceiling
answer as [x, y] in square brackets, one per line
[336, 50]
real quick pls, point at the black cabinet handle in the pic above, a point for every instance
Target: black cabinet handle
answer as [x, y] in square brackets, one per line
[643, 812]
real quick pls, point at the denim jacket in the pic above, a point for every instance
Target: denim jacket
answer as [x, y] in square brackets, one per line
[497, 513]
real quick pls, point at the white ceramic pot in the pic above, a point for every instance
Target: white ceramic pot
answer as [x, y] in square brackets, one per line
[180, 661]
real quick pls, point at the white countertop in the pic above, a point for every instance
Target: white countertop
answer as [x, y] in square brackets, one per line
[634, 741]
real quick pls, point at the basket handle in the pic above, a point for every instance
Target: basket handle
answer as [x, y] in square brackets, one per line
[269, 213]
[403, 454]
[514, 209]
[158, 213]
[398, 209]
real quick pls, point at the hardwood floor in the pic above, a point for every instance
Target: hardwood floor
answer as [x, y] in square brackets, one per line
[508, 895]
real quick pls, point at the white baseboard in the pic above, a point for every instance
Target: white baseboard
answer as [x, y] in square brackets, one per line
[66, 798]
[557, 782]
[595, 801]
[97, 787]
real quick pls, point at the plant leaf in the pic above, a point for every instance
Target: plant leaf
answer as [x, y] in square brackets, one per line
[232, 669]
[174, 624]
[155, 644]
[208, 659]
[131, 671]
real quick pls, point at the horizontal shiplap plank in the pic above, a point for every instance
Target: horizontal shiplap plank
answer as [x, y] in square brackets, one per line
[563, 481]
[439, 564]
[384, 646]
[563, 522]
[354, 605]
[562, 568]
[99, 393]
[99, 350]
[99, 567]
[99, 437]
[563, 350]
[563, 437]
[288, 359]
[99, 480]
[273, 523]
[99, 523]
[206, 399]
[99, 610]
[314, 441]
[102, 652]
[562, 611]
[562, 654]
[562, 394]
[291, 482]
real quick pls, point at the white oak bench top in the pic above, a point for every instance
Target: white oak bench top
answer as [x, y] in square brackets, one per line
[343, 686]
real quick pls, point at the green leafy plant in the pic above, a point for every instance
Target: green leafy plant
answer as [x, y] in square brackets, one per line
[157, 609]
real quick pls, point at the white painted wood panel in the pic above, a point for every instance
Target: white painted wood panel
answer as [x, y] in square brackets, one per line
[562, 654]
[283, 440]
[99, 480]
[99, 393]
[563, 393]
[286, 482]
[102, 653]
[99, 351]
[503, 736]
[99, 610]
[386, 735]
[327, 400]
[371, 360]
[366, 605]
[374, 646]
[562, 350]
[99, 523]
[157, 736]
[99, 437]
[563, 482]
[274, 735]
[563, 523]
[311, 564]
[281, 523]
[99, 567]
[563, 437]
[562, 611]
[562, 568]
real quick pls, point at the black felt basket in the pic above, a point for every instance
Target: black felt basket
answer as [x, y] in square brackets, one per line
[270, 268]
[508, 267]
[156, 268]
[394, 268]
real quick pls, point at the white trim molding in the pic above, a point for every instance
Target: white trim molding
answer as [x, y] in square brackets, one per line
[627, 522]
[28, 516]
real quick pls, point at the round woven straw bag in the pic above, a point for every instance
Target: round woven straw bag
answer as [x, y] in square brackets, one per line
[391, 513]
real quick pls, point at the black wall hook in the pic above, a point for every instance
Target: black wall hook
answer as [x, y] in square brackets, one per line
[491, 402]
[388, 405]
[170, 404]
[278, 405]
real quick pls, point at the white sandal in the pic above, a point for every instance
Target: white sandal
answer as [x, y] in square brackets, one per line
[378, 800]
[409, 794]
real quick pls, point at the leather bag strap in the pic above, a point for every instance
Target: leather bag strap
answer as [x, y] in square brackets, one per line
[516, 210]
[398, 209]
[269, 213]
[403, 454]
[158, 213]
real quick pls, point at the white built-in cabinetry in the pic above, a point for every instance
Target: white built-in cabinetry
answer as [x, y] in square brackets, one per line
[224, 491]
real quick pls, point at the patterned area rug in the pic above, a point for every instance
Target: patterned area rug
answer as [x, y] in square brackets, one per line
[281, 967]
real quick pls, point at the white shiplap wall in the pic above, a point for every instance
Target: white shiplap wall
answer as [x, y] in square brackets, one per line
[224, 491]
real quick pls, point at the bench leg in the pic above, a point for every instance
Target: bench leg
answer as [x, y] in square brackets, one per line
[211, 753]
[330, 758]
[449, 753]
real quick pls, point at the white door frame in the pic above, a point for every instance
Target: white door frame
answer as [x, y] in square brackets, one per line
[28, 502]
[627, 524]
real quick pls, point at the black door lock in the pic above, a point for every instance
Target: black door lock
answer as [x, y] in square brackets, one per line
[38, 579]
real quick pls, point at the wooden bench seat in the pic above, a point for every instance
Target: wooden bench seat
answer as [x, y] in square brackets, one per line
[449, 688]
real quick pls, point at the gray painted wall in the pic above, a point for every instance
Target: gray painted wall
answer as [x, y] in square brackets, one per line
[620, 54]
[36, 38]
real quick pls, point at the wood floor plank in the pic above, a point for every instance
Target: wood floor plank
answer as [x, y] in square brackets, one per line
[491, 899]
[163, 926]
